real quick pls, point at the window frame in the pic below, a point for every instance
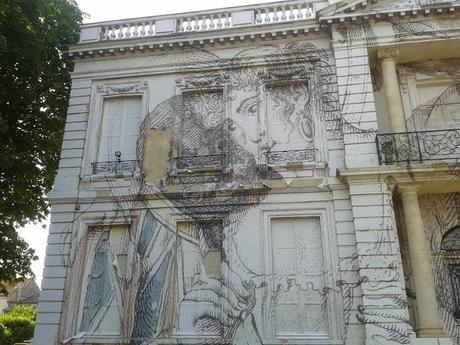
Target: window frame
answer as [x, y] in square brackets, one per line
[330, 258]
[269, 80]
[207, 83]
[81, 270]
[410, 78]
[451, 262]
[100, 92]
[175, 335]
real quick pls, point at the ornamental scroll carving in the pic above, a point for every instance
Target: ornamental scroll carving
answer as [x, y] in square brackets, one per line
[113, 89]
[208, 81]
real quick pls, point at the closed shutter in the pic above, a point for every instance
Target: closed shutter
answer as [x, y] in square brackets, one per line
[121, 119]
[298, 278]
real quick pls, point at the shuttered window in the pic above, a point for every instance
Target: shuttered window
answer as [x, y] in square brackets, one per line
[121, 119]
[298, 278]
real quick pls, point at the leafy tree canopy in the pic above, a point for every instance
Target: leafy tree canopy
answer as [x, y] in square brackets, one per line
[34, 91]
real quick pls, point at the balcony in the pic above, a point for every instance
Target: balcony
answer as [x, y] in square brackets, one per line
[202, 21]
[291, 156]
[204, 162]
[418, 147]
[115, 167]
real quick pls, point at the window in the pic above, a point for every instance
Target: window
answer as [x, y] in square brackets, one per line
[199, 135]
[101, 314]
[431, 97]
[290, 125]
[199, 263]
[298, 278]
[450, 245]
[121, 120]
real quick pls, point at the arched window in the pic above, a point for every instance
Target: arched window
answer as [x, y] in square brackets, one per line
[451, 239]
[450, 244]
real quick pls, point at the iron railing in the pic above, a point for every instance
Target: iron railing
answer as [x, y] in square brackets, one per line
[117, 166]
[291, 156]
[418, 147]
[197, 162]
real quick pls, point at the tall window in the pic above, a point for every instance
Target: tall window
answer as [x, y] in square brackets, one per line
[199, 135]
[431, 95]
[290, 125]
[121, 119]
[438, 105]
[101, 313]
[298, 278]
[199, 262]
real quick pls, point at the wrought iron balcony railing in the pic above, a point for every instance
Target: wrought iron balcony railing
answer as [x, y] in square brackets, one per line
[117, 166]
[200, 162]
[280, 157]
[418, 147]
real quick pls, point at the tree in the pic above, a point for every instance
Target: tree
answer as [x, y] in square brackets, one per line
[34, 92]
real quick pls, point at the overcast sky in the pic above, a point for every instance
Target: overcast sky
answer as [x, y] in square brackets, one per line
[100, 10]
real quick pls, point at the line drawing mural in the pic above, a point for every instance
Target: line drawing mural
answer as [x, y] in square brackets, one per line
[235, 218]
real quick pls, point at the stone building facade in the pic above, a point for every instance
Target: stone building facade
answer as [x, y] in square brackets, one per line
[274, 174]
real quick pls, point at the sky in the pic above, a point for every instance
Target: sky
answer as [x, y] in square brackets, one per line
[101, 10]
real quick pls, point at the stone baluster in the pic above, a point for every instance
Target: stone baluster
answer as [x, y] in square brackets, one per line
[142, 31]
[284, 16]
[189, 26]
[267, 16]
[219, 21]
[227, 20]
[276, 17]
[120, 31]
[195, 23]
[112, 34]
[259, 18]
[310, 12]
[212, 19]
[150, 32]
[105, 33]
[291, 12]
[204, 25]
[129, 32]
[180, 25]
[303, 12]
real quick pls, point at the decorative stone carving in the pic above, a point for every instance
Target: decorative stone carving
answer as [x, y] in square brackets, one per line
[208, 81]
[122, 88]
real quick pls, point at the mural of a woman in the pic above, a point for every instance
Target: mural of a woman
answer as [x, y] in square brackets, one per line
[188, 279]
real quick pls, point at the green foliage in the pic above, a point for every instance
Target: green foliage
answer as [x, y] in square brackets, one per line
[24, 311]
[34, 92]
[15, 255]
[18, 325]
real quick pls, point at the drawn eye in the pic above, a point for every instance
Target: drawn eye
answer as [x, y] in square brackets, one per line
[253, 108]
[248, 106]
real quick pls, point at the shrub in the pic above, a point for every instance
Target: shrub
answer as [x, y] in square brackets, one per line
[18, 325]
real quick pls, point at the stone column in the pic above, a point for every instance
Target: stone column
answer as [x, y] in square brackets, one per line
[428, 320]
[391, 87]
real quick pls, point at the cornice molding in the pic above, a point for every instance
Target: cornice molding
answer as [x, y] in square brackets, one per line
[361, 11]
[425, 175]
